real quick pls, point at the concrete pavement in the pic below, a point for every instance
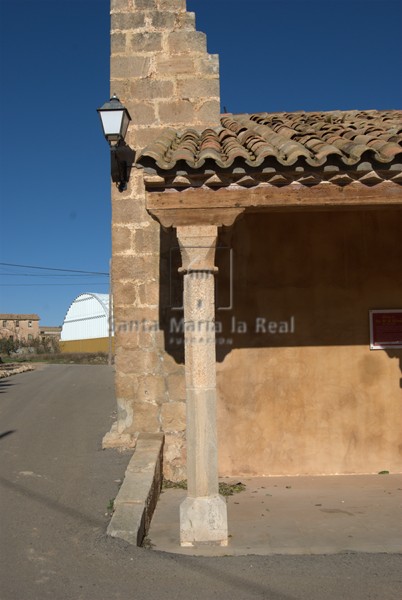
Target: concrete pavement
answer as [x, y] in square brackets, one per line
[297, 515]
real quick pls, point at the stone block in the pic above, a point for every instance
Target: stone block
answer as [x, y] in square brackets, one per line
[146, 89]
[144, 4]
[148, 454]
[198, 88]
[142, 113]
[134, 190]
[119, 5]
[136, 361]
[208, 64]
[179, 64]
[185, 20]
[134, 335]
[118, 42]
[173, 416]
[123, 268]
[136, 268]
[171, 366]
[139, 493]
[127, 20]
[175, 112]
[159, 337]
[148, 293]
[151, 388]
[113, 439]
[129, 66]
[136, 486]
[126, 336]
[187, 41]
[147, 239]
[126, 384]
[146, 41]
[174, 457]
[121, 240]
[175, 5]
[136, 181]
[208, 113]
[144, 137]
[128, 523]
[176, 383]
[120, 88]
[163, 20]
[126, 211]
[142, 318]
[147, 338]
[145, 418]
[124, 414]
[126, 291]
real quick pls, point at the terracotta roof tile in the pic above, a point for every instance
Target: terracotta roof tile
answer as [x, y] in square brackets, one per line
[286, 138]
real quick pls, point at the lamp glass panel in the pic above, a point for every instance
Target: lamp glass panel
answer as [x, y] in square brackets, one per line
[111, 121]
[124, 124]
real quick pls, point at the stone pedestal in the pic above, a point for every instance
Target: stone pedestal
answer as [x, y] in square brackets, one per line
[203, 521]
[203, 515]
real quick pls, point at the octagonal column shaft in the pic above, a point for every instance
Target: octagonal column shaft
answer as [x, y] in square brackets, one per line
[203, 516]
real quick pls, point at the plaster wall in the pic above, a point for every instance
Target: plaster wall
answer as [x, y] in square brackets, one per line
[314, 400]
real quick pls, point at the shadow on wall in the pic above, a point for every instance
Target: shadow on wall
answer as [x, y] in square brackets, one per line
[293, 279]
[396, 354]
[171, 295]
[298, 389]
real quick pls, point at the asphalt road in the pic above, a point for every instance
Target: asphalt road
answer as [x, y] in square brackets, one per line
[56, 483]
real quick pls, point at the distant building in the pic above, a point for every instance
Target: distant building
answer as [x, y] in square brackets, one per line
[86, 324]
[19, 327]
[49, 333]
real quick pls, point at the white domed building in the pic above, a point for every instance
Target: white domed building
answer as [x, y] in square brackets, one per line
[87, 324]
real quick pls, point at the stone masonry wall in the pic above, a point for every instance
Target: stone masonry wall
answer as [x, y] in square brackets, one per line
[161, 71]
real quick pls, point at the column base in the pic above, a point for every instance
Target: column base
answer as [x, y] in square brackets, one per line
[203, 521]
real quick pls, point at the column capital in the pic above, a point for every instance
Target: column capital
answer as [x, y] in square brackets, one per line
[197, 246]
[172, 215]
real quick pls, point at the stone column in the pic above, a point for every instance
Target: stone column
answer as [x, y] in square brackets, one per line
[203, 514]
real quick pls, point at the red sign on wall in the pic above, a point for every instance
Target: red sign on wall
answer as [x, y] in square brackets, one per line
[385, 329]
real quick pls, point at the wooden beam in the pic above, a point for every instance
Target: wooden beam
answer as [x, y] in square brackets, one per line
[268, 197]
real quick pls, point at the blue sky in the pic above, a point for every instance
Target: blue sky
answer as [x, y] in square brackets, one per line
[275, 55]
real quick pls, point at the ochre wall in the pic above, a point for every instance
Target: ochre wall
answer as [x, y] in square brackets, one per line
[93, 345]
[316, 400]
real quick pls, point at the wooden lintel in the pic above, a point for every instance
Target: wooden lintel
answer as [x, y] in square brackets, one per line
[204, 202]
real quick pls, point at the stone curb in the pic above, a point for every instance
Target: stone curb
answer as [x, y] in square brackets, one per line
[4, 372]
[137, 498]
